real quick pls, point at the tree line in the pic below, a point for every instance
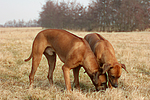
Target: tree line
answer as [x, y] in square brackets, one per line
[99, 15]
[21, 23]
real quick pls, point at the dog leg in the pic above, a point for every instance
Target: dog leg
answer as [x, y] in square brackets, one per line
[76, 77]
[66, 72]
[35, 63]
[51, 62]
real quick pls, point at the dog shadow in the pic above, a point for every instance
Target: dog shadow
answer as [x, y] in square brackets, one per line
[44, 84]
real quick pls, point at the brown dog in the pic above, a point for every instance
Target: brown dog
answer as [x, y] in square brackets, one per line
[105, 55]
[73, 51]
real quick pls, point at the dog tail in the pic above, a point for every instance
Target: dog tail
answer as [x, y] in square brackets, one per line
[28, 58]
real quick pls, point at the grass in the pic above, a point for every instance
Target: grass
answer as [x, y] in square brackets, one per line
[132, 49]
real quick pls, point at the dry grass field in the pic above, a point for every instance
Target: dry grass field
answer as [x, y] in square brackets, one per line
[132, 49]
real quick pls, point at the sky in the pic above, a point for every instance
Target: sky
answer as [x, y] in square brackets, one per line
[24, 9]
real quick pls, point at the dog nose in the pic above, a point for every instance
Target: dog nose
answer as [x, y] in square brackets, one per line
[116, 85]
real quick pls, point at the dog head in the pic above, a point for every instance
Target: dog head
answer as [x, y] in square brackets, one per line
[99, 80]
[114, 72]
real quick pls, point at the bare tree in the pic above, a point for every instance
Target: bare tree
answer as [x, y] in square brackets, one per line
[100, 15]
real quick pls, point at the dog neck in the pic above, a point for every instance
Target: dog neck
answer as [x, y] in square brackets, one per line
[90, 65]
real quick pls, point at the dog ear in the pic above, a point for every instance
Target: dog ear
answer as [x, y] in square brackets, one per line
[106, 67]
[124, 67]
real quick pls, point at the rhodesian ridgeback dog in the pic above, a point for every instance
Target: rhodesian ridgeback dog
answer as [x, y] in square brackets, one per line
[105, 55]
[73, 51]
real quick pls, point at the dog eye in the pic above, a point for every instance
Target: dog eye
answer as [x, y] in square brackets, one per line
[104, 83]
[118, 77]
[113, 77]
